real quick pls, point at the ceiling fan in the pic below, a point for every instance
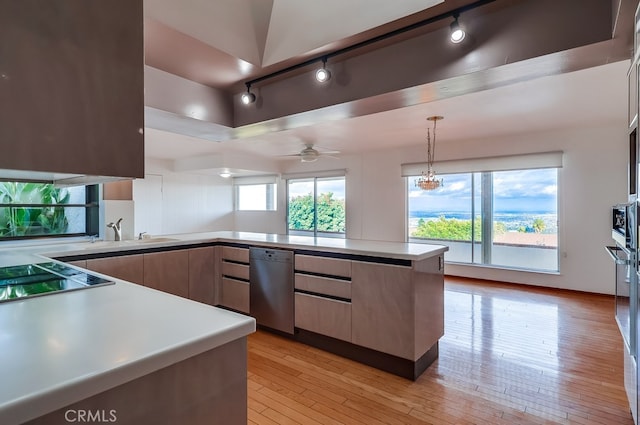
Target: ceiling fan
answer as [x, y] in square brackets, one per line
[309, 154]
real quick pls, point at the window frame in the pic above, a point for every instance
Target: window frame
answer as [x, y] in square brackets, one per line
[91, 207]
[315, 232]
[271, 203]
[487, 220]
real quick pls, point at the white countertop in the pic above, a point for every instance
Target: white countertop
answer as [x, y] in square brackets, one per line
[396, 250]
[61, 348]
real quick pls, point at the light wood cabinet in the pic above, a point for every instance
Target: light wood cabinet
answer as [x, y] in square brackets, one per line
[232, 253]
[323, 265]
[240, 271]
[323, 285]
[125, 267]
[382, 311]
[234, 278]
[324, 316]
[168, 272]
[234, 294]
[398, 310]
[202, 275]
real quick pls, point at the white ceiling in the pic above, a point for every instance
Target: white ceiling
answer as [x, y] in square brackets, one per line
[585, 98]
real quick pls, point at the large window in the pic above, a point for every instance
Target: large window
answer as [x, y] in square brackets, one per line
[500, 218]
[33, 210]
[316, 206]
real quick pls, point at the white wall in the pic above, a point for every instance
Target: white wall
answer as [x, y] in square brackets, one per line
[592, 180]
[167, 202]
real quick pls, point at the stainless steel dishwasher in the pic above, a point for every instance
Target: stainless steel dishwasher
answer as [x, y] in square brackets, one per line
[271, 288]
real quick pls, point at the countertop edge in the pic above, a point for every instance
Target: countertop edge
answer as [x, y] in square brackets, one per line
[51, 399]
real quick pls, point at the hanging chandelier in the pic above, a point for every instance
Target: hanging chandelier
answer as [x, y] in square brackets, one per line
[428, 179]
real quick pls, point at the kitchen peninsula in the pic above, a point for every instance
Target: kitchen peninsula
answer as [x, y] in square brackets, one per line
[376, 302]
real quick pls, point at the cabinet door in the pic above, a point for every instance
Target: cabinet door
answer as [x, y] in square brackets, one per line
[201, 275]
[383, 308]
[168, 272]
[73, 86]
[126, 267]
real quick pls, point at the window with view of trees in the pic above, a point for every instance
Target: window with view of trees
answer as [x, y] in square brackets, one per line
[499, 218]
[30, 210]
[316, 206]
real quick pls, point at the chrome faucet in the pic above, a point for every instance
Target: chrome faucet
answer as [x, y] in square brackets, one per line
[117, 229]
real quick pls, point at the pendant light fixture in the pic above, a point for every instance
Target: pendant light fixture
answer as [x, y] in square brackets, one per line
[428, 179]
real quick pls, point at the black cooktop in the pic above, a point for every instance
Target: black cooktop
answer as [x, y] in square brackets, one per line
[32, 280]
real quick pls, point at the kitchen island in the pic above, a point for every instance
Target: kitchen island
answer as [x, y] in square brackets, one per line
[90, 351]
[380, 303]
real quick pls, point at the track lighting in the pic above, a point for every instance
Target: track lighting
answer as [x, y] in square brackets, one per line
[248, 97]
[323, 74]
[457, 33]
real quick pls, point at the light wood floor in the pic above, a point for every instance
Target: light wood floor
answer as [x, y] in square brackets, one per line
[510, 355]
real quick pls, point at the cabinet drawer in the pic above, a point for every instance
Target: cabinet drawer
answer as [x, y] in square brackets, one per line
[323, 285]
[323, 316]
[324, 265]
[240, 271]
[235, 254]
[235, 294]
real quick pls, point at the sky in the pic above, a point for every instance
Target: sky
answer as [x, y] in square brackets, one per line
[521, 190]
[305, 187]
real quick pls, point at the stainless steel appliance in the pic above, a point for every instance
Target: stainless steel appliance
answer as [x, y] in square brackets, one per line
[271, 288]
[623, 226]
[31, 280]
[624, 254]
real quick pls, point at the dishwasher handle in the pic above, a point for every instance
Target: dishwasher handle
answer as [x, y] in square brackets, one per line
[613, 252]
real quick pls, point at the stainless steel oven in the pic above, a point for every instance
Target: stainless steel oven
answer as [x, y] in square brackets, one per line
[623, 226]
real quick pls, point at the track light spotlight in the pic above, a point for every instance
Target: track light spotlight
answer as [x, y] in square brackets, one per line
[323, 74]
[457, 33]
[248, 97]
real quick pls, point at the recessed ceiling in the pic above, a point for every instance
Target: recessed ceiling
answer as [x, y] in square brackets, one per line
[225, 42]
[590, 97]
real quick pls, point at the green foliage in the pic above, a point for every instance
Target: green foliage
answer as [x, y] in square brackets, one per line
[538, 225]
[453, 229]
[331, 213]
[23, 219]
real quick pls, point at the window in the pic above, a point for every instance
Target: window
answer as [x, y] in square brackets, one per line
[255, 193]
[316, 206]
[30, 210]
[500, 218]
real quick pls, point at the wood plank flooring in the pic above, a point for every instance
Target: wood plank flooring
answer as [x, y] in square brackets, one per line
[510, 355]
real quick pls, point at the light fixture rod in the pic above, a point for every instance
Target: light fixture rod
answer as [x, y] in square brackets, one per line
[451, 14]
